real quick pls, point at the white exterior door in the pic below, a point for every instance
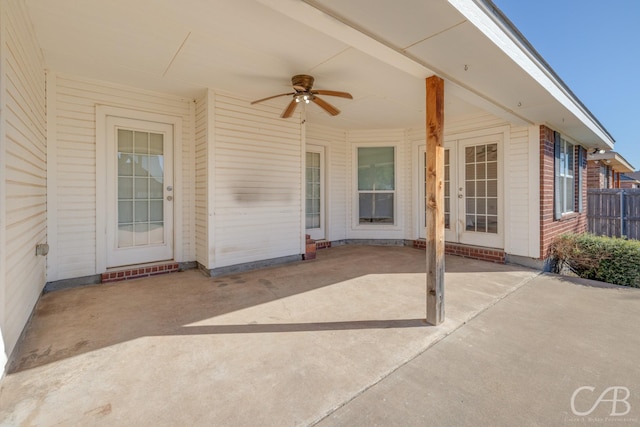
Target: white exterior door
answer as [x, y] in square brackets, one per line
[314, 192]
[473, 205]
[139, 191]
[476, 198]
[449, 235]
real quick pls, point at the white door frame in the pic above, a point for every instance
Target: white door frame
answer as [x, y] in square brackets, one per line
[102, 113]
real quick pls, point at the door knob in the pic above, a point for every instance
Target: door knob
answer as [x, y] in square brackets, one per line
[169, 198]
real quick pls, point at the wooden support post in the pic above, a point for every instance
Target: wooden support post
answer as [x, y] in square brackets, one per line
[617, 179]
[434, 185]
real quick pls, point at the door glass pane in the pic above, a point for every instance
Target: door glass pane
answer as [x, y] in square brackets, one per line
[141, 234]
[125, 164]
[140, 188]
[492, 224]
[125, 211]
[481, 188]
[125, 141]
[125, 236]
[313, 203]
[481, 171]
[156, 143]
[492, 153]
[469, 155]
[141, 211]
[125, 188]
[141, 142]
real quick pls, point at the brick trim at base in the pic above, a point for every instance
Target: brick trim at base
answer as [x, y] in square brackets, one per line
[138, 272]
[323, 244]
[467, 251]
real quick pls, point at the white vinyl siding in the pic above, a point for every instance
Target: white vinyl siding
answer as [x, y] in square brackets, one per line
[202, 182]
[23, 171]
[258, 183]
[521, 172]
[334, 141]
[75, 121]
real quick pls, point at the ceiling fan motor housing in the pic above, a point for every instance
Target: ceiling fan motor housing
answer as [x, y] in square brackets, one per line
[302, 82]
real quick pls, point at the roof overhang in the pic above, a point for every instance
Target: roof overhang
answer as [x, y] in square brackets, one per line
[614, 160]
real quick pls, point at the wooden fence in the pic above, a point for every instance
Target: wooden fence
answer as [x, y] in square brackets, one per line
[614, 212]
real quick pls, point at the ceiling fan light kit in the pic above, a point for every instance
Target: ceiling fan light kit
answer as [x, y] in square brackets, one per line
[303, 92]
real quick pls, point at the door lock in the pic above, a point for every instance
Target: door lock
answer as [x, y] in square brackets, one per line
[169, 188]
[169, 198]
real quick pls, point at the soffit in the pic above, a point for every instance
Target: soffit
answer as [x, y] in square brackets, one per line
[252, 48]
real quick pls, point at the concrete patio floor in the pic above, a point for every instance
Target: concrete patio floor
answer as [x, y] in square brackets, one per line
[290, 345]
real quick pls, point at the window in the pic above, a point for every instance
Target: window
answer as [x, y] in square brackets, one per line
[376, 185]
[565, 177]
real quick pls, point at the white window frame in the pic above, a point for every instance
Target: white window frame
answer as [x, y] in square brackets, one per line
[356, 193]
[567, 182]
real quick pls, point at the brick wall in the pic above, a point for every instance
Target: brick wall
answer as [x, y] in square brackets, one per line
[595, 178]
[574, 222]
[600, 176]
[467, 251]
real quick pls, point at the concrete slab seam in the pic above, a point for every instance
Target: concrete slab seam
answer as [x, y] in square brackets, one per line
[437, 339]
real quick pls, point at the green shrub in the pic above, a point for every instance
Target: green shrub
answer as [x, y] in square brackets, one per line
[606, 259]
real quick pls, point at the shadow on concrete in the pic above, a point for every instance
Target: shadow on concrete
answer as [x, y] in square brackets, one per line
[303, 327]
[70, 322]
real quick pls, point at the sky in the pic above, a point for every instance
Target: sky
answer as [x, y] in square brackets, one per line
[594, 46]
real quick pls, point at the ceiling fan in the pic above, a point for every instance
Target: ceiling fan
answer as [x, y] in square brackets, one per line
[302, 85]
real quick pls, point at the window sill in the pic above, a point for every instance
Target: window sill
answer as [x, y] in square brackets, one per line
[569, 216]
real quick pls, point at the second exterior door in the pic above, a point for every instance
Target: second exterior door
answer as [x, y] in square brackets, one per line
[473, 207]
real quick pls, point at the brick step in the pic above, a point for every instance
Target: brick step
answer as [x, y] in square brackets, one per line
[310, 251]
[138, 272]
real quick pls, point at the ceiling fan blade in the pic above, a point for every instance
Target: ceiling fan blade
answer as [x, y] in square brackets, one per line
[271, 97]
[332, 93]
[290, 109]
[326, 106]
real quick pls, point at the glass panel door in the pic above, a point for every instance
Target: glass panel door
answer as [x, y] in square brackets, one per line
[479, 195]
[314, 192]
[139, 191]
[140, 188]
[481, 187]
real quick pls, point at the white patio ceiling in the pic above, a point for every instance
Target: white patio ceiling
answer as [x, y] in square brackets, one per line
[378, 50]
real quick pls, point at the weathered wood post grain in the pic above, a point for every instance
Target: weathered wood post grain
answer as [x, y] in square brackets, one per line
[434, 186]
